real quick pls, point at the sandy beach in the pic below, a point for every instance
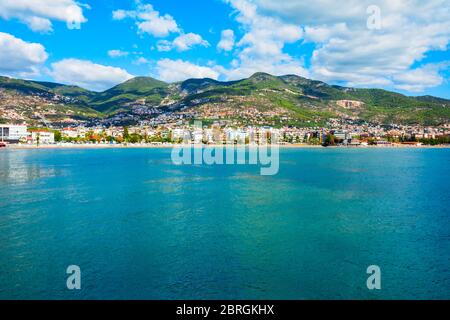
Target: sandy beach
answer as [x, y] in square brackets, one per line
[168, 146]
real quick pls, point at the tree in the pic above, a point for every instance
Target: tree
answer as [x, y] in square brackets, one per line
[330, 140]
[314, 141]
[134, 138]
[126, 134]
[58, 135]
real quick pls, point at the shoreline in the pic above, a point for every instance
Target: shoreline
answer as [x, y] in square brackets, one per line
[169, 146]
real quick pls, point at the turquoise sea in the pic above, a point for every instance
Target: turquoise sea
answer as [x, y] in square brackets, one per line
[141, 227]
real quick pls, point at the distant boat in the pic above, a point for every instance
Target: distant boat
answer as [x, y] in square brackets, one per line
[2, 144]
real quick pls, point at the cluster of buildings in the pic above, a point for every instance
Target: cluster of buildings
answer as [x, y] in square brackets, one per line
[392, 132]
[21, 134]
[348, 133]
[345, 133]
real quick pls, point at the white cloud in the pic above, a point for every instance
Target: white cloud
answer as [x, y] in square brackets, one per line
[122, 14]
[347, 51]
[361, 57]
[186, 41]
[87, 74]
[261, 47]
[227, 40]
[322, 33]
[149, 20]
[183, 42]
[317, 13]
[37, 14]
[164, 46]
[179, 70]
[141, 61]
[20, 58]
[117, 53]
[417, 80]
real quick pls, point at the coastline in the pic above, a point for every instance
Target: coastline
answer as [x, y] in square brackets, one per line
[168, 146]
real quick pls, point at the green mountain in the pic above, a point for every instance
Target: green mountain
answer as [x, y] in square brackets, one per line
[29, 87]
[432, 99]
[114, 99]
[24, 86]
[43, 102]
[260, 99]
[310, 101]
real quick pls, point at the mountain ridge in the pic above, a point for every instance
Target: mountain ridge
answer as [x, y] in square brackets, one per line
[290, 96]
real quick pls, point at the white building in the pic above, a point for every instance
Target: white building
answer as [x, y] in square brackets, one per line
[209, 135]
[180, 134]
[238, 135]
[70, 133]
[9, 132]
[197, 136]
[42, 137]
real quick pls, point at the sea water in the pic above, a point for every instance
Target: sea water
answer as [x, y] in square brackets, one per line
[140, 227]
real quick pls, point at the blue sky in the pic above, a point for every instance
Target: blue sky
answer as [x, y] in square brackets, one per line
[398, 45]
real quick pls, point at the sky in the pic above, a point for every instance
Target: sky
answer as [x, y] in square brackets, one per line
[399, 45]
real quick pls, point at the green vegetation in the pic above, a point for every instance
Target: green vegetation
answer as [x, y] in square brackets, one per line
[330, 140]
[58, 135]
[436, 141]
[112, 100]
[314, 141]
[307, 102]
